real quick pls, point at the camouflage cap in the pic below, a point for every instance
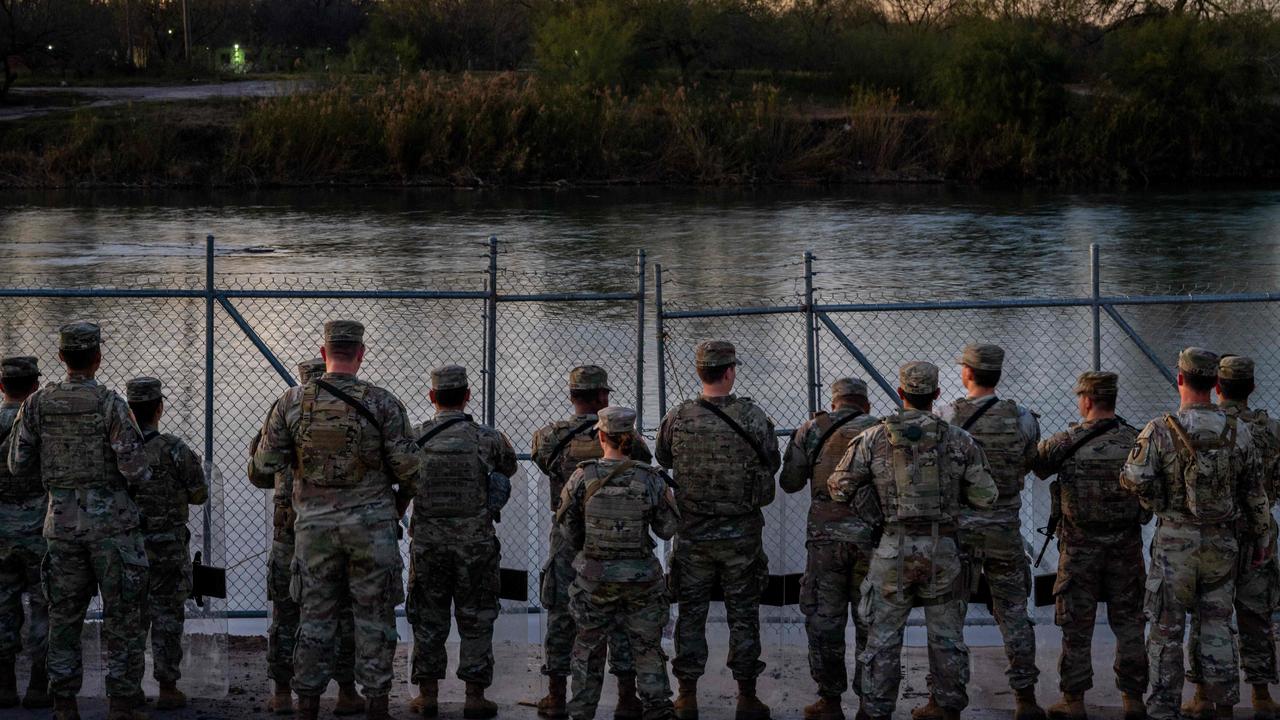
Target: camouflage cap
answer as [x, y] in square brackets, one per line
[449, 377]
[343, 331]
[849, 386]
[918, 377]
[79, 335]
[1198, 361]
[589, 377]
[715, 353]
[309, 370]
[1235, 367]
[616, 419]
[1098, 384]
[142, 389]
[982, 357]
[19, 366]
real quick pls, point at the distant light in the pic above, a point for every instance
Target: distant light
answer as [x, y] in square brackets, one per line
[170, 31]
[50, 47]
[237, 46]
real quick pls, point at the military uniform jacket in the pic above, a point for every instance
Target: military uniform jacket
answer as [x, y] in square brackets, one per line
[99, 506]
[469, 451]
[582, 447]
[1008, 434]
[177, 480]
[281, 486]
[611, 528]
[722, 481]
[23, 500]
[1095, 507]
[339, 458]
[805, 464]
[1266, 439]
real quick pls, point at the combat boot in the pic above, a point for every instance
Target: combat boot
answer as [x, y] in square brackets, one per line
[928, 711]
[309, 707]
[1264, 708]
[281, 701]
[950, 714]
[65, 708]
[170, 698]
[628, 707]
[553, 705]
[1026, 707]
[350, 701]
[38, 688]
[1070, 707]
[427, 704]
[8, 685]
[477, 705]
[377, 708]
[686, 705]
[1134, 708]
[1198, 707]
[119, 708]
[749, 706]
[827, 708]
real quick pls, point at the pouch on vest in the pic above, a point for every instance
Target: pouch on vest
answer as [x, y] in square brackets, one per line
[1207, 473]
[73, 438]
[330, 453]
[614, 515]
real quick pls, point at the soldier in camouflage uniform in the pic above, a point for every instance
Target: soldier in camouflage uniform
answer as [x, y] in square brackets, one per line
[839, 543]
[1199, 472]
[283, 632]
[1257, 590]
[1008, 434]
[355, 471]
[466, 471]
[724, 452]
[558, 448]
[1100, 547]
[84, 443]
[23, 502]
[607, 510]
[915, 475]
[177, 480]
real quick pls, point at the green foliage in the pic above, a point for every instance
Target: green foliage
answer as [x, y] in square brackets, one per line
[590, 45]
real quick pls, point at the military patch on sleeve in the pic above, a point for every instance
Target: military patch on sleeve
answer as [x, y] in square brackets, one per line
[1138, 456]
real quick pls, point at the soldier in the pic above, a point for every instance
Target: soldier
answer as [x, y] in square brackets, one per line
[558, 449]
[350, 442]
[839, 543]
[724, 452]
[1199, 472]
[283, 633]
[22, 506]
[466, 471]
[1100, 547]
[607, 510]
[84, 443]
[1257, 590]
[177, 480]
[911, 474]
[1008, 434]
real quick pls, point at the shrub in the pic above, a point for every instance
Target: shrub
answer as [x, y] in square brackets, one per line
[589, 45]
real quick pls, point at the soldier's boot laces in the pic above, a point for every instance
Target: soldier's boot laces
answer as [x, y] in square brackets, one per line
[1070, 707]
[749, 705]
[477, 705]
[1264, 708]
[350, 701]
[377, 708]
[8, 685]
[38, 688]
[826, 708]
[309, 707]
[686, 705]
[427, 704]
[1199, 707]
[1134, 708]
[1026, 707]
[170, 697]
[928, 711]
[628, 707]
[281, 701]
[553, 705]
[125, 709]
[65, 708]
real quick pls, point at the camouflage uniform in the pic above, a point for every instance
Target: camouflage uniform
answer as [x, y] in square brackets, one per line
[839, 543]
[177, 480]
[607, 511]
[1199, 473]
[83, 441]
[914, 472]
[575, 440]
[346, 518]
[455, 552]
[1099, 545]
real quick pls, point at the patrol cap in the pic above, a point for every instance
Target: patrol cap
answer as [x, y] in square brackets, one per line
[309, 370]
[19, 366]
[616, 420]
[348, 331]
[918, 377]
[982, 357]
[849, 386]
[1198, 361]
[449, 377]
[589, 377]
[1098, 384]
[715, 353]
[79, 335]
[142, 389]
[1235, 367]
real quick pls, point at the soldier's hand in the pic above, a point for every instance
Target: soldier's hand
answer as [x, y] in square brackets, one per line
[1261, 554]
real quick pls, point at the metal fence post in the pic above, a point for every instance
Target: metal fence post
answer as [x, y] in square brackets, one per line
[809, 350]
[1095, 279]
[209, 292]
[660, 340]
[491, 338]
[640, 297]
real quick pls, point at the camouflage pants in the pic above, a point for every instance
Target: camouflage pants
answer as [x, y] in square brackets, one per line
[282, 636]
[357, 563]
[999, 549]
[465, 577]
[1257, 596]
[905, 571]
[641, 611]
[72, 572]
[833, 575]
[1192, 571]
[1091, 572]
[168, 586]
[557, 578]
[20, 575]
[741, 568]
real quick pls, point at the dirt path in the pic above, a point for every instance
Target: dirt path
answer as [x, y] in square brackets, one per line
[29, 102]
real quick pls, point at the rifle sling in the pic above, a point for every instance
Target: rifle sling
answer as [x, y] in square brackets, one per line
[981, 411]
[426, 437]
[594, 486]
[1100, 429]
[364, 412]
[826, 434]
[733, 425]
[147, 436]
[564, 442]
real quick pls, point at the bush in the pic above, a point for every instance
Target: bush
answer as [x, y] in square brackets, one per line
[590, 45]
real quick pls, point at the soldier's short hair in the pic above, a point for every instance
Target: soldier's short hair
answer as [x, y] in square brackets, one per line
[919, 402]
[451, 397]
[145, 410]
[713, 374]
[81, 359]
[587, 395]
[1200, 383]
[1235, 388]
[343, 350]
[986, 378]
[20, 386]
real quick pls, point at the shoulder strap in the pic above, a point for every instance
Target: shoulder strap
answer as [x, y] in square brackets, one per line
[594, 486]
[733, 424]
[1180, 436]
[568, 438]
[150, 435]
[4, 437]
[980, 412]
[426, 437]
[1100, 429]
[831, 430]
[365, 412]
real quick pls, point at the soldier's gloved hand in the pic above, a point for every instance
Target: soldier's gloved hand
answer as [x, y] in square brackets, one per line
[499, 492]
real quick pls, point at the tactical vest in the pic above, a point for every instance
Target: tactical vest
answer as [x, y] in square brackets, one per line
[1208, 484]
[74, 447]
[162, 502]
[583, 447]
[824, 463]
[717, 471]
[614, 510]
[15, 488]
[330, 450]
[455, 478]
[1002, 442]
[1264, 440]
[1090, 481]
[921, 493]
